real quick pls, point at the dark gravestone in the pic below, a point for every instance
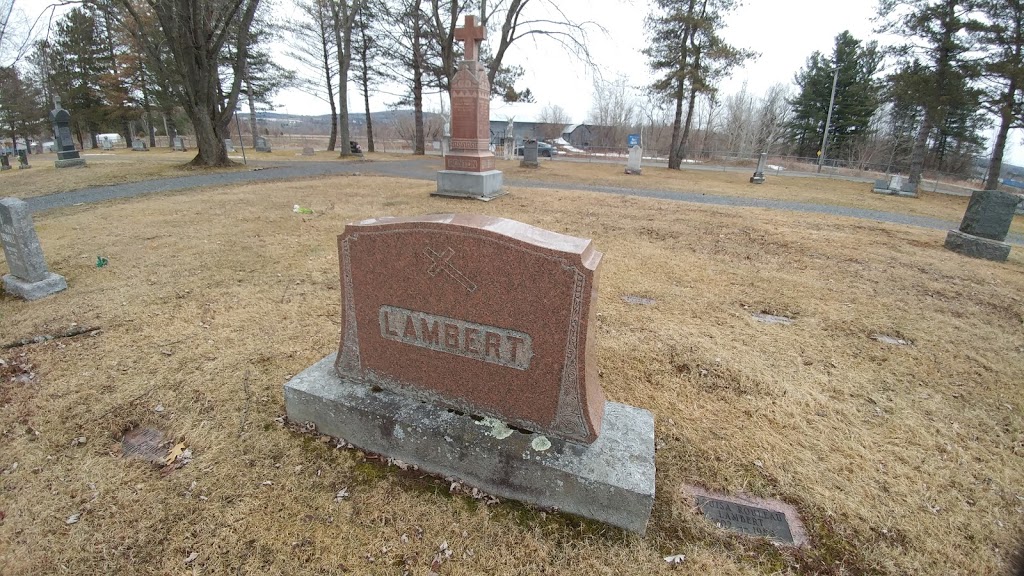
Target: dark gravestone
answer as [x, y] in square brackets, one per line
[758, 177]
[29, 278]
[262, 145]
[23, 159]
[746, 519]
[67, 156]
[179, 144]
[530, 155]
[5, 162]
[985, 225]
[139, 145]
[307, 151]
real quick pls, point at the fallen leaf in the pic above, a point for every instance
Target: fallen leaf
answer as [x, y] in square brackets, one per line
[173, 453]
[73, 519]
[267, 483]
[191, 557]
[341, 495]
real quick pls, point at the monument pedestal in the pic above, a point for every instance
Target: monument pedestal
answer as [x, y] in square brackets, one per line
[22, 288]
[977, 247]
[68, 163]
[484, 186]
[610, 480]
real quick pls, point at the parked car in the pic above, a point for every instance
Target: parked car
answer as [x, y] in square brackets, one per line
[354, 147]
[543, 149]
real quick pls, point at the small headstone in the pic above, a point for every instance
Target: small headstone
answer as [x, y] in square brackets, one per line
[229, 145]
[179, 144]
[745, 519]
[307, 151]
[107, 144]
[67, 155]
[23, 159]
[529, 155]
[29, 277]
[139, 145]
[758, 177]
[636, 154]
[895, 182]
[467, 348]
[262, 145]
[5, 162]
[145, 444]
[985, 225]
[895, 186]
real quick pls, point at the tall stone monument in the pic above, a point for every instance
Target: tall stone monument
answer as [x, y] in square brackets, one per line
[29, 278]
[469, 165]
[67, 156]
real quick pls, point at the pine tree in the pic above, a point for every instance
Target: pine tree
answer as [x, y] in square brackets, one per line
[1003, 40]
[852, 66]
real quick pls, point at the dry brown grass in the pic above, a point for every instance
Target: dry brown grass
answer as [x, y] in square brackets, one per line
[728, 183]
[101, 169]
[902, 460]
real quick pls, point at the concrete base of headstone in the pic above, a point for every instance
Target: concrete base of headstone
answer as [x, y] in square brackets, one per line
[477, 185]
[24, 289]
[634, 171]
[23, 166]
[70, 162]
[757, 179]
[977, 247]
[611, 480]
[524, 163]
[905, 192]
[4, 168]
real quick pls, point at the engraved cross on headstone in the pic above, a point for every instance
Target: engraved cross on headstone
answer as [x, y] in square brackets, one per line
[471, 34]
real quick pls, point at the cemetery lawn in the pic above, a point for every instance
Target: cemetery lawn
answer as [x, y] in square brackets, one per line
[831, 192]
[901, 459]
[112, 167]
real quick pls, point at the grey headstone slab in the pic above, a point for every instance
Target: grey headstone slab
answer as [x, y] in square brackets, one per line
[21, 244]
[989, 214]
[772, 319]
[751, 516]
[976, 246]
[610, 480]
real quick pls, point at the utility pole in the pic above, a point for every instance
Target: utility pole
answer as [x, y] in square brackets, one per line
[828, 120]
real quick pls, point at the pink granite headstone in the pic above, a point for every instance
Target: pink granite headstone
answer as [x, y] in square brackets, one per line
[485, 315]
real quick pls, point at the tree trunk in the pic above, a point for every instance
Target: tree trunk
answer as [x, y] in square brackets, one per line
[252, 108]
[332, 142]
[674, 161]
[995, 165]
[149, 118]
[343, 40]
[417, 89]
[689, 120]
[369, 120]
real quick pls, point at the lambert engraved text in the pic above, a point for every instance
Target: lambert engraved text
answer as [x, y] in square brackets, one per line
[500, 346]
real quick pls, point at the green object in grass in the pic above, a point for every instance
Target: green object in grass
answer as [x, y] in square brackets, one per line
[101, 261]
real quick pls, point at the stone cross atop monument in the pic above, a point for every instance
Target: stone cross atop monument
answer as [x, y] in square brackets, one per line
[472, 35]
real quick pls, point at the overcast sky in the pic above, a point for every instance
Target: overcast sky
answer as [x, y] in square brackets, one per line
[784, 32]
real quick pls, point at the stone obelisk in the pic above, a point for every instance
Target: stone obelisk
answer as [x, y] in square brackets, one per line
[469, 165]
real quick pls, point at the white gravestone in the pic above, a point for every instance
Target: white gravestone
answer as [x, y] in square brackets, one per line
[29, 278]
[636, 155]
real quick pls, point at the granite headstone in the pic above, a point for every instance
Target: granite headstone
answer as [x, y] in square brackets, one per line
[5, 162]
[262, 145]
[633, 163]
[67, 155]
[29, 277]
[179, 144]
[139, 145]
[985, 225]
[758, 177]
[23, 159]
[529, 155]
[467, 348]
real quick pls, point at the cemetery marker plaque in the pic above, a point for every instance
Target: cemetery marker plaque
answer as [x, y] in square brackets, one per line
[746, 519]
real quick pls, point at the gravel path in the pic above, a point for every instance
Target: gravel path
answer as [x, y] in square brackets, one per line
[425, 169]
